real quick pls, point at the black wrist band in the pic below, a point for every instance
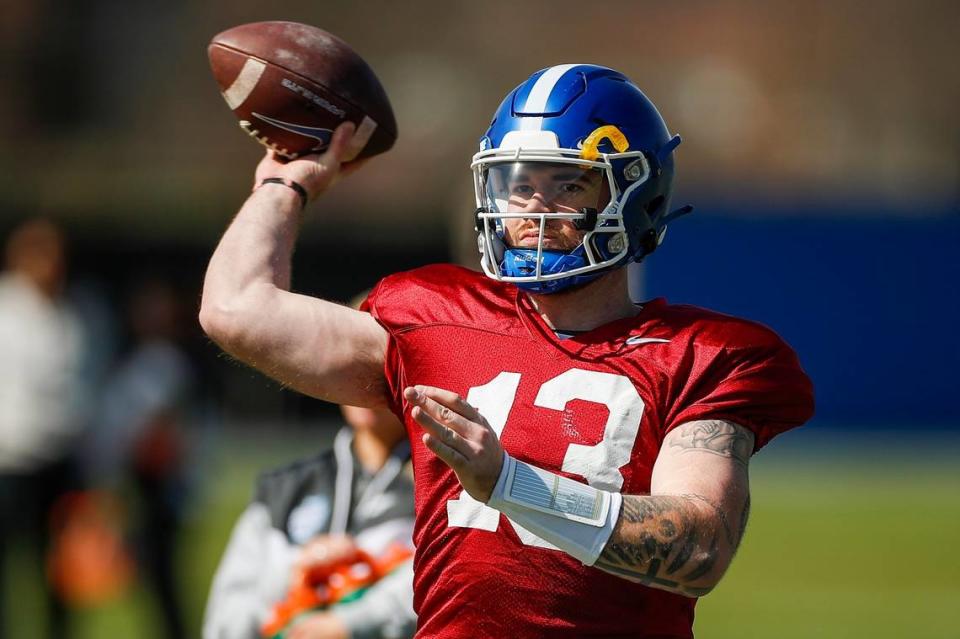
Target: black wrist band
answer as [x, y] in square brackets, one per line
[302, 192]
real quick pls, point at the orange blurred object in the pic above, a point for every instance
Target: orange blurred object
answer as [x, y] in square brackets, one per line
[325, 587]
[88, 563]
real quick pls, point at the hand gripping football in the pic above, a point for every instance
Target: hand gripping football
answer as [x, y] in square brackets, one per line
[291, 84]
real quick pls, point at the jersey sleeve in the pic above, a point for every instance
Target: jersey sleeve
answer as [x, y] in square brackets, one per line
[757, 383]
[437, 294]
[376, 305]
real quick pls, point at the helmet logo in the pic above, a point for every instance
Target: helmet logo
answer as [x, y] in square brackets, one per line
[589, 149]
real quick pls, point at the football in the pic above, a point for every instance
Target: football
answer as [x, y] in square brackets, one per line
[291, 84]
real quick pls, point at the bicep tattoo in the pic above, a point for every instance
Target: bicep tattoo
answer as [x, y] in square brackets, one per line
[715, 436]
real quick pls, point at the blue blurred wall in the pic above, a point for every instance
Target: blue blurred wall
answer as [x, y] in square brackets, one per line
[868, 298]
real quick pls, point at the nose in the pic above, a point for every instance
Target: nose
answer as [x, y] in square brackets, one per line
[537, 204]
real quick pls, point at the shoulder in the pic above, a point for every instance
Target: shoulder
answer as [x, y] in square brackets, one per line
[426, 280]
[438, 294]
[727, 368]
[713, 330]
[710, 350]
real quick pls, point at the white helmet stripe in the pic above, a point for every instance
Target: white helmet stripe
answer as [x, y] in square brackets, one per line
[540, 93]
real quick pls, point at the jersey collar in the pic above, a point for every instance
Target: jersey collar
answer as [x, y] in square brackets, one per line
[603, 341]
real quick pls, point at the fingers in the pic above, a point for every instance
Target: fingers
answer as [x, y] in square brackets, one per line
[447, 432]
[347, 143]
[330, 160]
[317, 172]
[358, 141]
[339, 147]
[451, 401]
[459, 435]
[441, 432]
[450, 456]
[452, 412]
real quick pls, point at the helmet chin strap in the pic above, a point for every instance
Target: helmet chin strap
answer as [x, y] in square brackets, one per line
[516, 262]
[520, 262]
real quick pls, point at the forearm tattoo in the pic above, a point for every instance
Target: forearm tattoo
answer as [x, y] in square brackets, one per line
[662, 541]
[673, 541]
[721, 516]
[717, 437]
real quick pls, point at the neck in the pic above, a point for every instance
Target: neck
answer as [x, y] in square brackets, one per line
[584, 308]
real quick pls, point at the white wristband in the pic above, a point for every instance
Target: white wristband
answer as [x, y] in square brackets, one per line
[576, 518]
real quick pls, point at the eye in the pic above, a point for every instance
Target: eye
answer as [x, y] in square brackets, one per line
[521, 189]
[571, 188]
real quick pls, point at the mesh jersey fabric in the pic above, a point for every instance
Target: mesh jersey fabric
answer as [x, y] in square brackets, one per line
[600, 402]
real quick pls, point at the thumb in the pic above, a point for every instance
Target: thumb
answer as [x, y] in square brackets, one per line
[358, 141]
[339, 148]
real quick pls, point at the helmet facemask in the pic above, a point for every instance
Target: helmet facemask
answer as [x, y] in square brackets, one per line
[543, 185]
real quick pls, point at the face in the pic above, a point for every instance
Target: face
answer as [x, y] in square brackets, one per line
[37, 250]
[378, 421]
[550, 188]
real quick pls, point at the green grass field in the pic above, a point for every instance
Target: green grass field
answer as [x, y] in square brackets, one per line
[843, 542]
[845, 546]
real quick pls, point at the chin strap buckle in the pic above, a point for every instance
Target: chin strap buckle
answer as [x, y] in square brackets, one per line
[477, 222]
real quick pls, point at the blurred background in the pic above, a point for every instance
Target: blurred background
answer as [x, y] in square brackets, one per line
[821, 150]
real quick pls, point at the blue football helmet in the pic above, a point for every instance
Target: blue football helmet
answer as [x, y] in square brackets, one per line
[578, 142]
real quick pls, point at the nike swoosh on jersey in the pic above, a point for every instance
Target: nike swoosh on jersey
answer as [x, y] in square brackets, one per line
[317, 133]
[634, 341]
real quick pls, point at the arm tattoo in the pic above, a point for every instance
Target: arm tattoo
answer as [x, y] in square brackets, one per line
[662, 541]
[674, 542]
[716, 436]
[722, 516]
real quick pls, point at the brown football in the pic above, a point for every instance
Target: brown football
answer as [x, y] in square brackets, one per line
[291, 84]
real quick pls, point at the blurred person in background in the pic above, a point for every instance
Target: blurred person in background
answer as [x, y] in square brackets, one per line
[309, 520]
[140, 437]
[581, 459]
[42, 346]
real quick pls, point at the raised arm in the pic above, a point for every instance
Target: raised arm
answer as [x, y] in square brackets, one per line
[682, 537]
[319, 348]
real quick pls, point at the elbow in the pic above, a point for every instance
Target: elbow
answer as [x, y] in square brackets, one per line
[223, 324]
[697, 590]
[709, 567]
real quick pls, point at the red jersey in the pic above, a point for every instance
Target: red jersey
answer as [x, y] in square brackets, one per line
[594, 407]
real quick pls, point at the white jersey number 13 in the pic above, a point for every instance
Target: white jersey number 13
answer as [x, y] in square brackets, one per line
[599, 464]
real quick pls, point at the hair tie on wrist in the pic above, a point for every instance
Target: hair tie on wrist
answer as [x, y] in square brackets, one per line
[302, 192]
